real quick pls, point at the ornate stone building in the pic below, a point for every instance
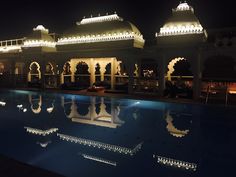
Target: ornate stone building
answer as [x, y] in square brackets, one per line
[111, 51]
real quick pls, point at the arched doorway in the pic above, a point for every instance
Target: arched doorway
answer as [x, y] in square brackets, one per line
[179, 78]
[34, 75]
[66, 73]
[50, 77]
[179, 67]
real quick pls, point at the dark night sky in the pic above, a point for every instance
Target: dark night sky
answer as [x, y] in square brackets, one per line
[20, 16]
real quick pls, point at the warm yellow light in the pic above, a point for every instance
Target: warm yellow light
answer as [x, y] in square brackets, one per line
[232, 91]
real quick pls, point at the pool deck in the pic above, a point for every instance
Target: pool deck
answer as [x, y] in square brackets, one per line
[139, 96]
[13, 168]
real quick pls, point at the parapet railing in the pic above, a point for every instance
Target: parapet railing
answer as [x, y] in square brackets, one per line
[12, 42]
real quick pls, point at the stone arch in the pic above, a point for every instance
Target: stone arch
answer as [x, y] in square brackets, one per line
[82, 74]
[66, 73]
[181, 70]
[49, 68]
[50, 77]
[82, 68]
[34, 73]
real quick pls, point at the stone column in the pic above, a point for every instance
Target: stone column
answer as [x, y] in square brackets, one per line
[60, 75]
[102, 70]
[130, 69]
[12, 78]
[197, 77]
[113, 70]
[42, 65]
[92, 72]
[161, 77]
[73, 68]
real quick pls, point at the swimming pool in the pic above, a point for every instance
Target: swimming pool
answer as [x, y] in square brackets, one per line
[77, 135]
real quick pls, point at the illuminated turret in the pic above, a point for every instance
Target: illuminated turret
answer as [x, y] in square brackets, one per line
[182, 26]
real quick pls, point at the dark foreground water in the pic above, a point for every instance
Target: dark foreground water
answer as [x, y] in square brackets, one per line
[97, 136]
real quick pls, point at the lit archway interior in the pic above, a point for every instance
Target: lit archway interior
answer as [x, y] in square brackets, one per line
[178, 67]
[34, 72]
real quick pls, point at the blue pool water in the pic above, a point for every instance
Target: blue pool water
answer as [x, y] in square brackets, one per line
[97, 136]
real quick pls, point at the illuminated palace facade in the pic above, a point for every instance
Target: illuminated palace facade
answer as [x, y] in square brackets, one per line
[110, 51]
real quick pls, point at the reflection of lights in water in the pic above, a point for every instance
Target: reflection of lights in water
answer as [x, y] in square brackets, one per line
[49, 110]
[2, 103]
[41, 132]
[19, 106]
[98, 159]
[97, 144]
[44, 145]
[175, 163]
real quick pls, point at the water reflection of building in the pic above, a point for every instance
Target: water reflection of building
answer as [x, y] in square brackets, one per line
[97, 112]
[36, 102]
[171, 127]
